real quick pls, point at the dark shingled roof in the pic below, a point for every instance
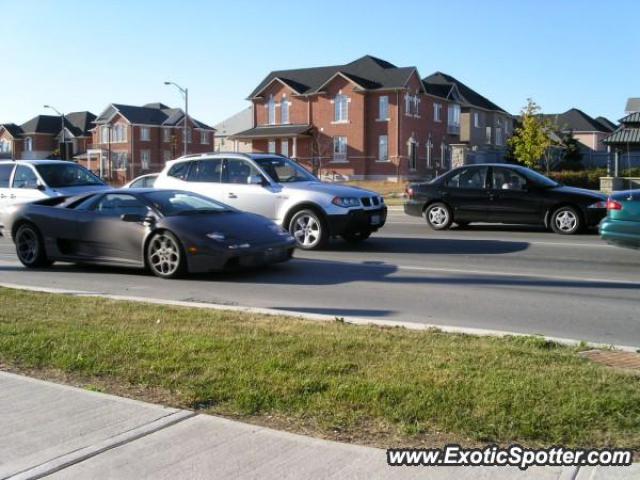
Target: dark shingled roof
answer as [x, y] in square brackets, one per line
[50, 124]
[440, 85]
[623, 136]
[369, 72]
[606, 123]
[576, 120]
[79, 123]
[271, 131]
[150, 114]
[12, 128]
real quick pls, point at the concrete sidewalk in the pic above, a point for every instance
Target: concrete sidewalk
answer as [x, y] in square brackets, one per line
[61, 432]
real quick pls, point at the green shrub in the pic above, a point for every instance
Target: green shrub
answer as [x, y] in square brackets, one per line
[588, 178]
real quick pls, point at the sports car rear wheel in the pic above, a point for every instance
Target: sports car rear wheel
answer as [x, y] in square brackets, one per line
[164, 256]
[30, 247]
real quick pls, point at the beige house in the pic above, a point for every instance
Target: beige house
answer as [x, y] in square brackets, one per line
[241, 121]
[589, 131]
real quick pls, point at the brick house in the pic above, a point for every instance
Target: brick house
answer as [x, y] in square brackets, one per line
[41, 137]
[482, 127]
[365, 119]
[129, 140]
[368, 119]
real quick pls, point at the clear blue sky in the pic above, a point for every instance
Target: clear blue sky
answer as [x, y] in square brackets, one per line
[83, 55]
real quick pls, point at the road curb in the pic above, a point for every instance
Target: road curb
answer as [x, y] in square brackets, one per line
[322, 317]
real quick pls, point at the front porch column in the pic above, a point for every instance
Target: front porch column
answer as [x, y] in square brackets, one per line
[294, 150]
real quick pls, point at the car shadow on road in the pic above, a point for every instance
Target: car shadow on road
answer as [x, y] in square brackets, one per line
[433, 246]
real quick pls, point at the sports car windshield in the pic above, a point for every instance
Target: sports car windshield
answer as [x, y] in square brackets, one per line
[59, 175]
[283, 170]
[171, 203]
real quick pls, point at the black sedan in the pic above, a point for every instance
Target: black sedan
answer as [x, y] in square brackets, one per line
[503, 193]
[169, 232]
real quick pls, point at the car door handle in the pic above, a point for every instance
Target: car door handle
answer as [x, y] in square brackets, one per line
[232, 195]
[2, 195]
[12, 196]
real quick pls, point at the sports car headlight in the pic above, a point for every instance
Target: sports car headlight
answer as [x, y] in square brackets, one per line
[217, 236]
[601, 204]
[346, 202]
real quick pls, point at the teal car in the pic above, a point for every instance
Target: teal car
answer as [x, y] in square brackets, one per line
[622, 224]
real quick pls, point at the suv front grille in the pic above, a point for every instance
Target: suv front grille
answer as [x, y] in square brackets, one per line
[366, 201]
[376, 201]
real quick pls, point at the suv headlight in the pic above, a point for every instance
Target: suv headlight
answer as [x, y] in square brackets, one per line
[601, 204]
[346, 202]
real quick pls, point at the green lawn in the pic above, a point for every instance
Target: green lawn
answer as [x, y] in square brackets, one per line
[387, 387]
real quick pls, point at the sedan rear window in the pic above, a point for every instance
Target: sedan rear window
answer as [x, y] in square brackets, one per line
[472, 178]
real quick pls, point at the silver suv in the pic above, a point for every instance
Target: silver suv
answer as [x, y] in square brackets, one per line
[278, 188]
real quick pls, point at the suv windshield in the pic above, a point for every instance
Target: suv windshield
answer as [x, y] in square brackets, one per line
[538, 178]
[59, 175]
[283, 170]
[171, 203]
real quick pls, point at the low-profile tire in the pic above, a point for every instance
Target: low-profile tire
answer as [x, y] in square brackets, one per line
[309, 230]
[165, 256]
[438, 215]
[30, 247]
[566, 220]
[355, 237]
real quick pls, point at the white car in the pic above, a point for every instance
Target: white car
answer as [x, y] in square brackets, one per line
[143, 181]
[23, 181]
[278, 188]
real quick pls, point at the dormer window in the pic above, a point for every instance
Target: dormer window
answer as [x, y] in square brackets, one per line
[271, 110]
[341, 108]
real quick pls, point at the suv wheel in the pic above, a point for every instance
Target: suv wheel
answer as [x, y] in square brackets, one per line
[309, 230]
[566, 221]
[438, 216]
[30, 247]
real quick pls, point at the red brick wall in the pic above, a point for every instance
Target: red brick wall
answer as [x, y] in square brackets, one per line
[298, 113]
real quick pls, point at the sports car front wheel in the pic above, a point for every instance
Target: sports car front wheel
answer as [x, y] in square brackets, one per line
[30, 247]
[165, 257]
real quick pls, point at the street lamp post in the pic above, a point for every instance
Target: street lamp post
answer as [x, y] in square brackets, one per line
[64, 140]
[185, 94]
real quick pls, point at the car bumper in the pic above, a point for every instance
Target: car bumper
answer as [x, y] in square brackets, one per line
[357, 221]
[620, 232]
[413, 208]
[220, 260]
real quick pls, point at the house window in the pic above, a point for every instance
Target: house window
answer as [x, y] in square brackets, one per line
[272, 146]
[120, 160]
[412, 105]
[28, 144]
[413, 155]
[429, 147]
[437, 112]
[499, 132]
[5, 146]
[339, 149]
[145, 159]
[271, 110]
[145, 134]
[166, 135]
[166, 155]
[189, 135]
[341, 108]
[383, 148]
[476, 119]
[284, 111]
[453, 118]
[284, 147]
[104, 133]
[487, 135]
[119, 134]
[204, 137]
[383, 108]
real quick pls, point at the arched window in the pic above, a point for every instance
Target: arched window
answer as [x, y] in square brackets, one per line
[28, 144]
[271, 110]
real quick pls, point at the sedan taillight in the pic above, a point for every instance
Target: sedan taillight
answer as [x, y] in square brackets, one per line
[614, 205]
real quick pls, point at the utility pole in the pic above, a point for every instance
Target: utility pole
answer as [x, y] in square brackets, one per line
[185, 94]
[63, 150]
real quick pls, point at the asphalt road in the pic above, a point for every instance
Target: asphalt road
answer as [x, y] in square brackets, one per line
[493, 277]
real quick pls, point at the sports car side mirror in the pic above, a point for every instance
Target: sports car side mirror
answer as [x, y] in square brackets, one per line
[132, 217]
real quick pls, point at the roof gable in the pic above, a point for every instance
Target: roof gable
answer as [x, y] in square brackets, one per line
[14, 130]
[147, 115]
[47, 124]
[438, 82]
[576, 120]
